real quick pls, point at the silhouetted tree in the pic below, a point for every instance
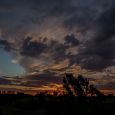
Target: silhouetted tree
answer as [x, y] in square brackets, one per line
[79, 86]
[93, 91]
[73, 84]
[66, 86]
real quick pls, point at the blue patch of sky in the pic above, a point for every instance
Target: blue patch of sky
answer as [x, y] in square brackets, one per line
[7, 67]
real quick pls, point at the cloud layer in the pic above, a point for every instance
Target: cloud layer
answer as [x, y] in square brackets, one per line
[52, 36]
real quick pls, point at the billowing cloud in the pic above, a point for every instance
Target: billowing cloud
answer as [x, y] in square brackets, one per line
[31, 48]
[98, 52]
[5, 45]
[62, 34]
[70, 39]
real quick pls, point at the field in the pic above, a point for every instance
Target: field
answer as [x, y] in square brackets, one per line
[41, 104]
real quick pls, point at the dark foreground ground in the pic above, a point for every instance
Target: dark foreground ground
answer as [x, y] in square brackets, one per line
[21, 104]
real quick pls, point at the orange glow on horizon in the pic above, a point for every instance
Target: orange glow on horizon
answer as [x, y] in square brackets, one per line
[47, 89]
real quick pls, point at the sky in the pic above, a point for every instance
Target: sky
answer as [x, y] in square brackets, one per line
[40, 40]
[8, 66]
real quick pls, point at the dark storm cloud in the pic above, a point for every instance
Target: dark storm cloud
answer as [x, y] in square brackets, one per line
[99, 52]
[81, 19]
[34, 12]
[32, 48]
[47, 77]
[40, 79]
[85, 13]
[4, 81]
[106, 25]
[58, 50]
[5, 45]
[22, 18]
[36, 53]
[72, 40]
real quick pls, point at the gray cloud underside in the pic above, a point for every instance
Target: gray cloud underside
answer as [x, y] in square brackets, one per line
[50, 24]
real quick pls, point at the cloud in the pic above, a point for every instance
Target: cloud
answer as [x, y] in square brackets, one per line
[107, 86]
[70, 39]
[4, 81]
[63, 33]
[31, 48]
[5, 45]
[40, 56]
[98, 52]
[45, 78]
[14, 61]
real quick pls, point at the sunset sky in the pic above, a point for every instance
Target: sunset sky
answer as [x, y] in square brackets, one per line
[40, 40]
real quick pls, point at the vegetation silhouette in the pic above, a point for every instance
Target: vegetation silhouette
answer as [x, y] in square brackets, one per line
[81, 98]
[79, 86]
